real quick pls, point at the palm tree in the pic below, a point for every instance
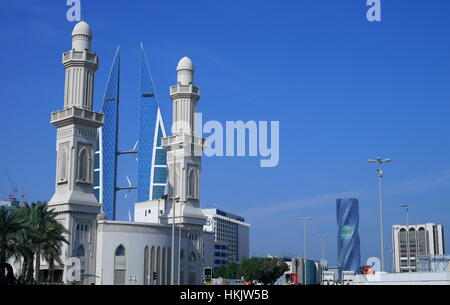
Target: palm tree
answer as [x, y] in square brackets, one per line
[53, 242]
[10, 225]
[52, 238]
[43, 236]
[29, 238]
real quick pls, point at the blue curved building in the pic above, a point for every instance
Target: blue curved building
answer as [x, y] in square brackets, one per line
[349, 250]
[152, 165]
[105, 173]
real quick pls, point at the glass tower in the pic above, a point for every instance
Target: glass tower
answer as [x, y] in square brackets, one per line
[349, 253]
[105, 173]
[152, 164]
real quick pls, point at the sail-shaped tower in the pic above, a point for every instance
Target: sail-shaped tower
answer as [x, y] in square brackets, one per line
[152, 167]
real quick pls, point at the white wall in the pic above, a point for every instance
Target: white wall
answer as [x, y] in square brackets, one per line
[148, 212]
[135, 237]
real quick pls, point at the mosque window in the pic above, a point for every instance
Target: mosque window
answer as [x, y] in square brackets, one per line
[120, 251]
[146, 266]
[84, 166]
[120, 266]
[63, 166]
[193, 184]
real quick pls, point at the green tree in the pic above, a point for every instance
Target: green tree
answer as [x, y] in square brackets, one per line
[220, 272]
[251, 269]
[230, 272]
[41, 237]
[10, 225]
[264, 270]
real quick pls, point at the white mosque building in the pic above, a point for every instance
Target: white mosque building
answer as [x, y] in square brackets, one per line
[126, 253]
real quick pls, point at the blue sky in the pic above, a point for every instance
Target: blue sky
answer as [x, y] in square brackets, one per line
[343, 89]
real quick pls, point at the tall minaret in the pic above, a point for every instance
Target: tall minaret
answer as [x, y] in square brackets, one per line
[184, 153]
[77, 125]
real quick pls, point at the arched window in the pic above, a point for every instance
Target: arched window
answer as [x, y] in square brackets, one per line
[176, 183]
[193, 184]
[422, 240]
[63, 165]
[152, 265]
[169, 271]
[120, 266]
[158, 266]
[84, 166]
[182, 267]
[163, 266]
[120, 251]
[146, 266]
[412, 241]
[80, 252]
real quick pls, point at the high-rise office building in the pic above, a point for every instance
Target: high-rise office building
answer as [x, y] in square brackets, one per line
[231, 233]
[410, 242]
[152, 158]
[349, 252]
[105, 172]
[152, 167]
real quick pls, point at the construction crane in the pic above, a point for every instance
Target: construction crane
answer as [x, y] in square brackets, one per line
[12, 195]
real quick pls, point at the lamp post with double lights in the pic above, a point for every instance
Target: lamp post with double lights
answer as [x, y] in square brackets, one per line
[379, 161]
[323, 246]
[305, 222]
[168, 147]
[405, 206]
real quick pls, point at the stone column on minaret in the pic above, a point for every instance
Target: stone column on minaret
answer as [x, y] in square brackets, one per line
[77, 125]
[184, 151]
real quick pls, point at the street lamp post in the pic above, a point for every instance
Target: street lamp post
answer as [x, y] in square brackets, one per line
[380, 172]
[179, 253]
[323, 245]
[172, 271]
[305, 221]
[405, 206]
[407, 213]
[167, 147]
[179, 258]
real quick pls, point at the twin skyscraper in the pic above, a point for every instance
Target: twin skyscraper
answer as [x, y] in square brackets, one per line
[152, 158]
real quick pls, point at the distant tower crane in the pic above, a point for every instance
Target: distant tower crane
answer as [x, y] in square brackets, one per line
[12, 195]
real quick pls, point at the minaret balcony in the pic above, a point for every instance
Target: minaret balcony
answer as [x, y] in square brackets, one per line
[183, 140]
[77, 115]
[185, 91]
[76, 57]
